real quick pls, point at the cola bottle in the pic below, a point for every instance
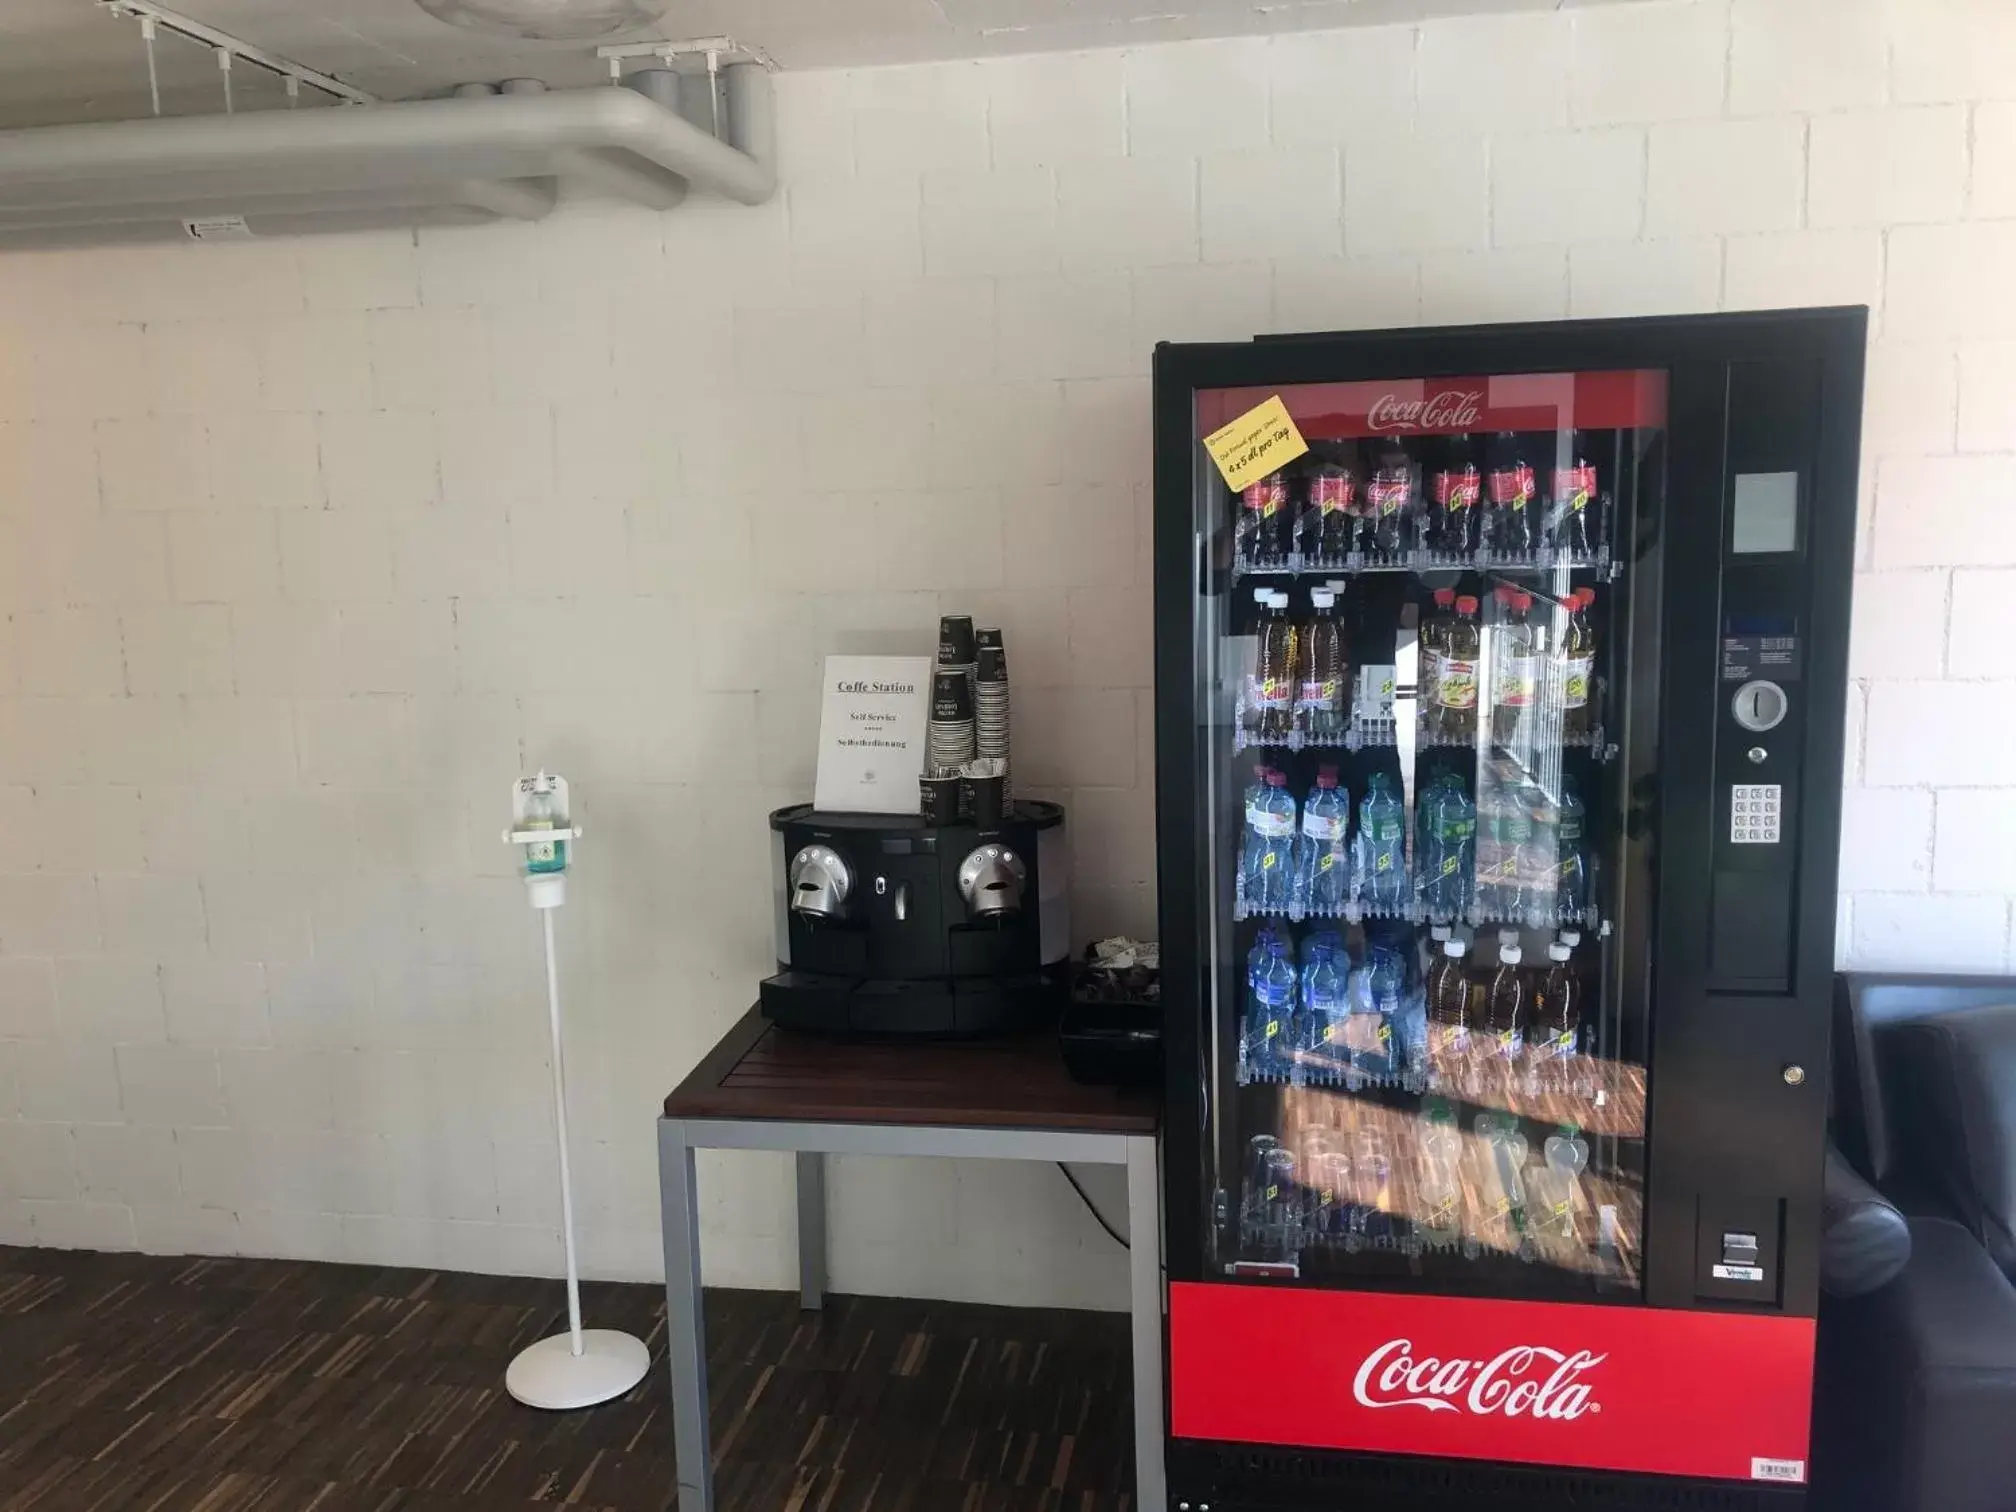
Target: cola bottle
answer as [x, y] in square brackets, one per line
[1263, 532]
[1511, 513]
[1390, 503]
[1329, 522]
[1574, 508]
[1456, 500]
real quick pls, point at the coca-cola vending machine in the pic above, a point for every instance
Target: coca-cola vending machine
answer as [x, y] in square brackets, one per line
[1500, 684]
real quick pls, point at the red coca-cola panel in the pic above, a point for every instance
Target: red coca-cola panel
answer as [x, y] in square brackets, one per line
[1454, 406]
[1726, 1395]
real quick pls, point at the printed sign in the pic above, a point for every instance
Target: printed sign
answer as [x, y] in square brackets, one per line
[1455, 406]
[873, 718]
[1607, 1388]
[1259, 442]
[218, 228]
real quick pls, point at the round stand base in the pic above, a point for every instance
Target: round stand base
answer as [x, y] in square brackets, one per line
[550, 1375]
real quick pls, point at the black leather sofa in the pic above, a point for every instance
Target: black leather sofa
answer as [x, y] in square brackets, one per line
[1915, 1395]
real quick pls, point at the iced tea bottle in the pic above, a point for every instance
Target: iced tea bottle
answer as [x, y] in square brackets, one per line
[1456, 669]
[1516, 676]
[1505, 1008]
[1557, 1018]
[1434, 643]
[1448, 993]
[1578, 664]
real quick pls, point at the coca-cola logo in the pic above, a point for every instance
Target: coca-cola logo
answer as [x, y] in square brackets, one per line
[1450, 409]
[1527, 1380]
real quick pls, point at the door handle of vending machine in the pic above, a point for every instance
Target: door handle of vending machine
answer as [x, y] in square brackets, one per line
[902, 901]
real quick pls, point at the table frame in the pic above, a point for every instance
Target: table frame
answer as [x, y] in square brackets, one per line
[811, 1142]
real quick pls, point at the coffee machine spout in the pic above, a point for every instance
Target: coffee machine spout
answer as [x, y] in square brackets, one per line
[991, 880]
[820, 882]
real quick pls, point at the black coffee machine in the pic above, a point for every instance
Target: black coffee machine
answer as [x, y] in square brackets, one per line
[887, 925]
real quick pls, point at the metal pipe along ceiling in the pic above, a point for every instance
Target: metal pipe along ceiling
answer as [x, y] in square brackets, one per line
[471, 156]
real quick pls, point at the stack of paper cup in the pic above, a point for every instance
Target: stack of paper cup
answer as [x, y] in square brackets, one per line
[949, 742]
[990, 699]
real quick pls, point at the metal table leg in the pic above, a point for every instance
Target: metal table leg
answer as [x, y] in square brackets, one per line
[1144, 1267]
[811, 1230]
[685, 1330]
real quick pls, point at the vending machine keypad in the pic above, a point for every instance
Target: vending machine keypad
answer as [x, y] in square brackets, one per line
[1753, 814]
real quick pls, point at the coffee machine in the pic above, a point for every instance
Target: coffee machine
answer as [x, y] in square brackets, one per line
[891, 926]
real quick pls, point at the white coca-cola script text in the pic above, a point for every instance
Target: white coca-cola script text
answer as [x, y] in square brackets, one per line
[1453, 409]
[1527, 1380]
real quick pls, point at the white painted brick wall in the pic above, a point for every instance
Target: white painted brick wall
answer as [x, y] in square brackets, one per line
[313, 546]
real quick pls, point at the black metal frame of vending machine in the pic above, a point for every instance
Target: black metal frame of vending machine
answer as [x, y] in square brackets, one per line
[1730, 656]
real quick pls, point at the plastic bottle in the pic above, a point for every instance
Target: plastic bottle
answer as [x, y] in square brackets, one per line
[1566, 1156]
[1319, 1039]
[1322, 870]
[542, 812]
[1515, 680]
[1321, 675]
[1457, 497]
[1505, 1008]
[1574, 508]
[1449, 1014]
[1577, 662]
[1556, 1021]
[1270, 1009]
[1268, 852]
[1329, 523]
[1270, 692]
[1439, 1188]
[1434, 648]
[1261, 533]
[1250, 708]
[1382, 845]
[1502, 1158]
[1571, 858]
[1371, 1027]
[1511, 523]
[1447, 892]
[1390, 504]
[1455, 677]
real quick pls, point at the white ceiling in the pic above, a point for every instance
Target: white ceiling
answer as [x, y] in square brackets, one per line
[67, 60]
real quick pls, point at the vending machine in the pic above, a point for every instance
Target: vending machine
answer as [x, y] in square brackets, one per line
[1500, 690]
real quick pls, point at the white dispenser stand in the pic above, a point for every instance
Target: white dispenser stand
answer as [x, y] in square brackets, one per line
[582, 1366]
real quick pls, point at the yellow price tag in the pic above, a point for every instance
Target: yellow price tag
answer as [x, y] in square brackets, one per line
[1259, 442]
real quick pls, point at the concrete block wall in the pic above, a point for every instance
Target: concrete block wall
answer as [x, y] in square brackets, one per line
[310, 547]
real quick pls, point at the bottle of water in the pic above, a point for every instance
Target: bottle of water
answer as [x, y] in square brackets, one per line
[1322, 864]
[1325, 1005]
[1382, 847]
[1270, 1009]
[1268, 851]
[1375, 1016]
[1446, 853]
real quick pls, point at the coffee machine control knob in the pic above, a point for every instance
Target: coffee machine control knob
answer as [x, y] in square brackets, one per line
[820, 882]
[991, 880]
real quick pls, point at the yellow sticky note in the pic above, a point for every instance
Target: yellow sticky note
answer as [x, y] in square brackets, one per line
[1261, 441]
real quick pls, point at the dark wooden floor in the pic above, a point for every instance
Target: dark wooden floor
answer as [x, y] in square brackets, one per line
[272, 1386]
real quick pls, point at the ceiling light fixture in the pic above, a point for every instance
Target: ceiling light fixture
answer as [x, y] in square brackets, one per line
[547, 20]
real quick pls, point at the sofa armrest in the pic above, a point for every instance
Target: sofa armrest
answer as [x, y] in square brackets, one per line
[1864, 1241]
[1917, 1384]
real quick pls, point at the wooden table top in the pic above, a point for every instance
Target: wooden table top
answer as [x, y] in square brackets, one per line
[759, 1071]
